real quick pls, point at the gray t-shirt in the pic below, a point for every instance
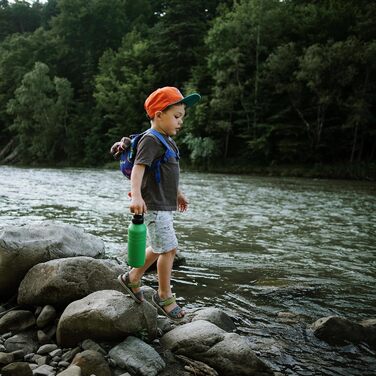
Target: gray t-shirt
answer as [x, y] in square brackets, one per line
[163, 195]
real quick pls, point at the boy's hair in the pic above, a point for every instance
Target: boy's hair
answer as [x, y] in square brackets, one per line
[161, 99]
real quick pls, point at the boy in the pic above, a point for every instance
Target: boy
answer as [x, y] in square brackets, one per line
[165, 108]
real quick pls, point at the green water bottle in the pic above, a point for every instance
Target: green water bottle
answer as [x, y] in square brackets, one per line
[136, 241]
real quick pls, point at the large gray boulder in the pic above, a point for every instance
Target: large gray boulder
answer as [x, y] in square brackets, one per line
[60, 282]
[137, 357]
[22, 247]
[227, 353]
[105, 315]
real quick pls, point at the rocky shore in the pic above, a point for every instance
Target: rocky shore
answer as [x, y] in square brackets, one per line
[64, 313]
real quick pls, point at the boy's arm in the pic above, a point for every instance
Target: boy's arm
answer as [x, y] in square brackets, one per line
[137, 205]
[182, 201]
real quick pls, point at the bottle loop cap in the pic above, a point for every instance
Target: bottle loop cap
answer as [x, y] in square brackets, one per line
[138, 219]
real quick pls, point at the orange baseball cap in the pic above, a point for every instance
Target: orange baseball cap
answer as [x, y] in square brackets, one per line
[166, 96]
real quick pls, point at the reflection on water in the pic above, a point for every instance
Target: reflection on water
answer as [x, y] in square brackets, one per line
[254, 246]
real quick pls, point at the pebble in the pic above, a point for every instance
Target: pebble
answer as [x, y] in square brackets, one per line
[57, 352]
[63, 364]
[45, 349]
[44, 370]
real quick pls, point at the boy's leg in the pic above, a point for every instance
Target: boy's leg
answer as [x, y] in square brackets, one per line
[164, 268]
[136, 273]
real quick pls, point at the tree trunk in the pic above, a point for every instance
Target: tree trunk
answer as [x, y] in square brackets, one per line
[355, 140]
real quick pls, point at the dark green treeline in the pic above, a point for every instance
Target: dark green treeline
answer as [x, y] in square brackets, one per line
[283, 82]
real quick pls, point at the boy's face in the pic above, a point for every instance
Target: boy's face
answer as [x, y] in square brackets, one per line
[170, 121]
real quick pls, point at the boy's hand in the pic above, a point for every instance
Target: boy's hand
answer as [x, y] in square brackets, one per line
[137, 206]
[182, 202]
[118, 147]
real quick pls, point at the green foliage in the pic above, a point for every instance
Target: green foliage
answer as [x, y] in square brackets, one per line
[40, 111]
[282, 82]
[203, 149]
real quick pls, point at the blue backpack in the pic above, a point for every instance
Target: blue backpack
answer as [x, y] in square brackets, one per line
[128, 156]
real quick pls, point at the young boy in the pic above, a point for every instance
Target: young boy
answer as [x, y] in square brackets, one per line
[165, 108]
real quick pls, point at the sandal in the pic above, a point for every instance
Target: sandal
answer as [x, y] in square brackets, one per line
[159, 304]
[128, 285]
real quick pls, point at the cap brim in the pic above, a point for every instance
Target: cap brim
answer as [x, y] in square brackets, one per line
[190, 99]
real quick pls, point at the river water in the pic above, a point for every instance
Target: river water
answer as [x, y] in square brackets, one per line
[254, 246]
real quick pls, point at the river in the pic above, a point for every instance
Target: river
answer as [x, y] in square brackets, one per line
[255, 246]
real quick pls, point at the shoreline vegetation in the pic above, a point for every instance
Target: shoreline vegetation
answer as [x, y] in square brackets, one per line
[294, 96]
[356, 171]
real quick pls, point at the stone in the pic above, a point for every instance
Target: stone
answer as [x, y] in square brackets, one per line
[46, 316]
[338, 330]
[18, 354]
[43, 338]
[68, 279]
[5, 358]
[17, 369]
[369, 326]
[227, 353]
[23, 341]
[137, 357]
[89, 344]
[217, 317]
[22, 247]
[92, 362]
[16, 321]
[71, 371]
[47, 348]
[44, 370]
[105, 315]
[70, 354]
[57, 353]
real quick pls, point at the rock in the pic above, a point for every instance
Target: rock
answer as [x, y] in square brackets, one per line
[370, 331]
[89, 344]
[16, 321]
[196, 367]
[17, 369]
[18, 354]
[338, 330]
[70, 354]
[105, 315]
[92, 362]
[22, 247]
[45, 349]
[137, 357]
[227, 353]
[56, 353]
[217, 317]
[44, 370]
[5, 358]
[23, 341]
[71, 371]
[43, 338]
[66, 280]
[46, 316]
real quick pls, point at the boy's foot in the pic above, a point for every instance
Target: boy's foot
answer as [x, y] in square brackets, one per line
[168, 307]
[133, 288]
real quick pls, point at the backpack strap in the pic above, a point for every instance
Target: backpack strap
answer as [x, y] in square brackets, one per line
[170, 153]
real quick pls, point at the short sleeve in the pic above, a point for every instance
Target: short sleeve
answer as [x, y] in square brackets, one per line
[148, 150]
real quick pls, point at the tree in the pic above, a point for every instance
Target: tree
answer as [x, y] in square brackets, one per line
[40, 111]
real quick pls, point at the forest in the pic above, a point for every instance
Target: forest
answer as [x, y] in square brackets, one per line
[286, 85]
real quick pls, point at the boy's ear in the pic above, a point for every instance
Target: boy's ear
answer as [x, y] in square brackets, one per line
[158, 114]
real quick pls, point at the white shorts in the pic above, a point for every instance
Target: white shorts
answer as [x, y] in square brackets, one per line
[161, 233]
